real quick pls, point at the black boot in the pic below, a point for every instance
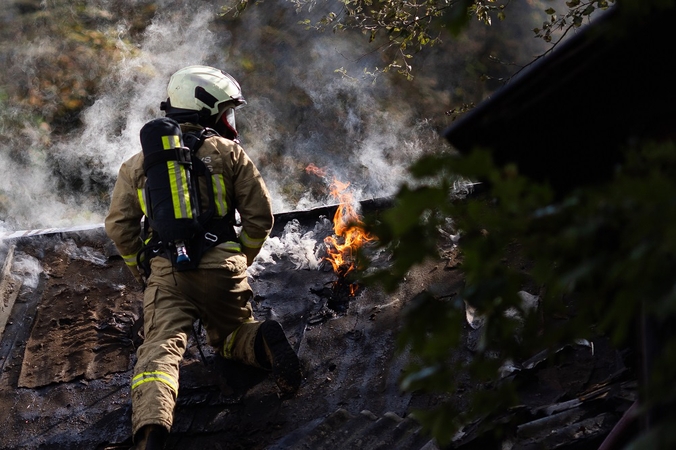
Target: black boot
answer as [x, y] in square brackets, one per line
[273, 352]
[151, 437]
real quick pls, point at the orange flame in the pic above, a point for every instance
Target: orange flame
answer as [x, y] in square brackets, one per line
[348, 228]
[314, 170]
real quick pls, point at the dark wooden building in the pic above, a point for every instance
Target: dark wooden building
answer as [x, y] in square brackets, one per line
[565, 118]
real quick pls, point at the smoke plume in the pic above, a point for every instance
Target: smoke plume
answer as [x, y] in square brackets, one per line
[300, 111]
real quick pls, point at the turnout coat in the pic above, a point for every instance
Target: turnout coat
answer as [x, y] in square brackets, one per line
[243, 190]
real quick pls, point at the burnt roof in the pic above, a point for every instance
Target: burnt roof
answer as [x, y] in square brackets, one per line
[564, 119]
[69, 347]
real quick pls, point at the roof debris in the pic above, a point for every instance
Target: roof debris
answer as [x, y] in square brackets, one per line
[69, 348]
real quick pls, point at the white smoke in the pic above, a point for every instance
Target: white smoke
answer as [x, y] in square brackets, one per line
[172, 41]
[29, 268]
[369, 145]
[304, 250]
[131, 95]
[348, 126]
[84, 253]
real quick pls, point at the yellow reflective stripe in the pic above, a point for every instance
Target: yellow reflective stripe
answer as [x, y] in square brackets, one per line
[130, 260]
[162, 377]
[178, 181]
[250, 242]
[142, 200]
[179, 190]
[219, 194]
[172, 141]
[230, 343]
[231, 245]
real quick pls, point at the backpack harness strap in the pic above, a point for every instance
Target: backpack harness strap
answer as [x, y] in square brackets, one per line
[181, 155]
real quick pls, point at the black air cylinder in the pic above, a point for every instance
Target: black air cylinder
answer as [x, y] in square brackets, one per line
[172, 202]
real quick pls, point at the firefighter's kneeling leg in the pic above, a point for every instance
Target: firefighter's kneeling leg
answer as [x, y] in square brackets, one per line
[154, 386]
[239, 345]
[264, 344]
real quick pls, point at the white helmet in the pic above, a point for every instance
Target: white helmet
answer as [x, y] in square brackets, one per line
[205, 95]
[198, 87]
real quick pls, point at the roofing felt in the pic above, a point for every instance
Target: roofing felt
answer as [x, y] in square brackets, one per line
[69, 347]
[69, 344]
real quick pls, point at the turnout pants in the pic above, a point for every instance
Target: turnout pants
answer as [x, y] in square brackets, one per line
[172, 302]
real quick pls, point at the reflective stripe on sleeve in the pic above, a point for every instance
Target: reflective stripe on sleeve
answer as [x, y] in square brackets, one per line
[162, 377]
[130, 260]
[250, 242]
[219, 194]
[143, 200]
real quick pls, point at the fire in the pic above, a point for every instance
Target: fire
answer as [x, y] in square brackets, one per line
[342, 247]
[350, 235]
[314, 170]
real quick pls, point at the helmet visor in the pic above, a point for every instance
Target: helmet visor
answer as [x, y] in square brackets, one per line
[228, 117]
[225, 124]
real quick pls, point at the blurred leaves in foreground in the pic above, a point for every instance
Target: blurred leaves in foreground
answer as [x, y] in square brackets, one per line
[600, 257]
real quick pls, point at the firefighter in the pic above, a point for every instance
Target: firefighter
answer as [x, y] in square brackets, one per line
[217, 291]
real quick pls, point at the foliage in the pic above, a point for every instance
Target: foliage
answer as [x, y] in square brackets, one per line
[606, 251]
[609, 250]
[404, 28]
[557, 26]
[578, 12]
[57, 55]
[67, 49]
[408, 25]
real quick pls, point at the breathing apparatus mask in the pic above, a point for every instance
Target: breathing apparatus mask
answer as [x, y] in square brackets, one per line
[225, 123]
